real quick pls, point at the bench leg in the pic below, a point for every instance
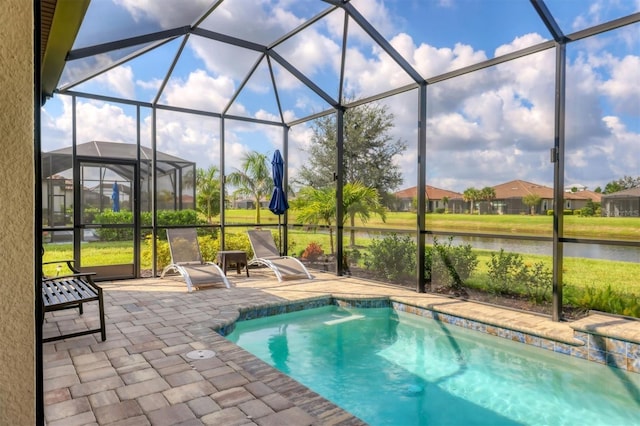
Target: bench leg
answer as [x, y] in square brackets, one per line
[103, 331]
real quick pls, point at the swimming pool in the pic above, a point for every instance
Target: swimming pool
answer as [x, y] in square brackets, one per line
[393, 368]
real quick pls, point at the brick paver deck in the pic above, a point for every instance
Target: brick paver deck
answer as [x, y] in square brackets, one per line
[141, 375]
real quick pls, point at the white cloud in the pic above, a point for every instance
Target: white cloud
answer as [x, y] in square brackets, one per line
[167, 13]
[624, 85]
[149, 85]
[483, 128]
[223, 59]
[119, 80]
[377, 14]
[200, 91]
[260, 22]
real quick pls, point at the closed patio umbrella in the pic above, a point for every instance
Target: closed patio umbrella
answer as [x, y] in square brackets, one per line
[115, 197]
[278, 204]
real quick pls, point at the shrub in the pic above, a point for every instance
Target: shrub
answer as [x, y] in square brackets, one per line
[312, 252]
[603, 299]
[109, 217]
[162, 247]
[538, 282]
[503, 270]
[590, 209]
[440, 210]
[549, 212]
[450, 265]
[165, 218]
[238, 241]
[567, 212]
[393, 257]
[353, 256]
[507, 272]
[209, 247]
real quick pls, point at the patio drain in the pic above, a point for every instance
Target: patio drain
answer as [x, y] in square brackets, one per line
[203, 354]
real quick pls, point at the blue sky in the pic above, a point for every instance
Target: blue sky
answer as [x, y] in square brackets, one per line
[484, 128]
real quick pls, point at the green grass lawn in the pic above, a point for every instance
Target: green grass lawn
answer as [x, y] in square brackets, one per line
[616, 228]
[578, 273]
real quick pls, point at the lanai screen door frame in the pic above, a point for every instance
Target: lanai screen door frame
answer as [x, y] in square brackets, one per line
[106, 271]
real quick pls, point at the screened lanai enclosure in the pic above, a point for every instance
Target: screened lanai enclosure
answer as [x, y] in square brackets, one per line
[107, 181]
[405, 129]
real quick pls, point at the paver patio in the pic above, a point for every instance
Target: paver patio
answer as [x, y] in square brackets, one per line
[141, 375]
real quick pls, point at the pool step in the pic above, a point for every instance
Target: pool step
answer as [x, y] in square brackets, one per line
[344, 319]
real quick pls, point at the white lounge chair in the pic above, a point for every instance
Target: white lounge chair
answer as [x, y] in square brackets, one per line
[186, 260]
[266, 253]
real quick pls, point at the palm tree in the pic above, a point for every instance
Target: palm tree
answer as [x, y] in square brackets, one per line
[488, 194]
[253, 179]
[208, 191]
[445, 202]
[471, 195]
[360, 200]
[531, 200]
[315, 206]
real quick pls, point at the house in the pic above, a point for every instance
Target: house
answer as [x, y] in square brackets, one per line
[435, 196]
[578, 200]
[510, 196]
[622, 203]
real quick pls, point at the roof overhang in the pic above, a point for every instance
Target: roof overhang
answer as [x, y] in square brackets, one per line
[60, 22]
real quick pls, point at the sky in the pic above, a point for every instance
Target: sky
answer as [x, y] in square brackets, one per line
[483, 128]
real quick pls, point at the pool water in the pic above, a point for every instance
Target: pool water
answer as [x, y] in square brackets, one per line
[392, 368]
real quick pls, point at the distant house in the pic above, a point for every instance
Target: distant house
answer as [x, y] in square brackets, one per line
[576, 187]
[510, 195]
[509, 198]
[622, 203]
[435, 197]
[248, 203]
[578, 200]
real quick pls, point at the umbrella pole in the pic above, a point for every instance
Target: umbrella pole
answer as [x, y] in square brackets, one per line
[280, 236]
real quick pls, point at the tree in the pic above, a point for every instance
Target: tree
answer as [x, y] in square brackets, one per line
[360, 201]
[471, 195]
[445, 201]
[368, 150]
[253, 179]
[316, 206]
[531, 200]
[487, 194]
[208, 191]
[627, 182]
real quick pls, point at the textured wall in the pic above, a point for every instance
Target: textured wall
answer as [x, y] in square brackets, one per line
[17, 371]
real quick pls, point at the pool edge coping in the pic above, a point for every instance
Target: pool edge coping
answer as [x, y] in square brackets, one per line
[603, 349]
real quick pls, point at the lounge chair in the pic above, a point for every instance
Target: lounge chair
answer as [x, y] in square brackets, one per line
[186, 260]
[266, 253]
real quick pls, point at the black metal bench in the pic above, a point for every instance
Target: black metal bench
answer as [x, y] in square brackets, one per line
[72, 291]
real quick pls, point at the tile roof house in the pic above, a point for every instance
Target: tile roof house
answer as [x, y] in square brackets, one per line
[622, 203]
[434, 195]
[508, 199]
[510, 195]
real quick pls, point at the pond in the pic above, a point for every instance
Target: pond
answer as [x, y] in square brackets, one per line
[589, 251]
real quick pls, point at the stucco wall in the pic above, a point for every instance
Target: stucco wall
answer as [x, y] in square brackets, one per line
[17, 371]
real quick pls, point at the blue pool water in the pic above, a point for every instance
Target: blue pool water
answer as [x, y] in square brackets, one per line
[392, 368]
